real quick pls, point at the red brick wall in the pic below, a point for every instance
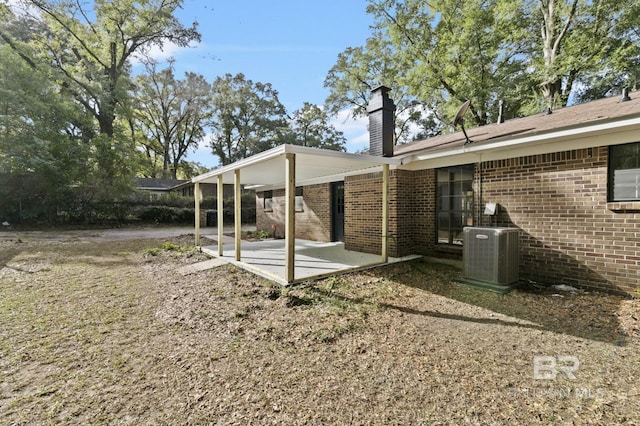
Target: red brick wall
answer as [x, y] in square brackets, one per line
[363, 213]
[401, 213]
[569, 235]
[271, 221]
[313, 223]
[423, 225]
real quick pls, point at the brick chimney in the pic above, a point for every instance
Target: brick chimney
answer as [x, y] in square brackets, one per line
[381, 122]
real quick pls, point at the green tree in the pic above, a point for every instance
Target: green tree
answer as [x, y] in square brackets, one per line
[172, 115]
[359, 70]
[196, 93]
[457, 51]
[88, 53]
[531, 54]
[92, 49]
[434, 57]
[41, 154]
[189, 169]
[148, 161]
[310, 127]
[586, 49]
[247, 118]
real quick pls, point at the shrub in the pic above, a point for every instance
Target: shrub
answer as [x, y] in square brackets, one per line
[163, 214]
[157, 214]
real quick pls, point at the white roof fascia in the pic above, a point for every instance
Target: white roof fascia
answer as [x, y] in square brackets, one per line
[618, 132]
[254, 159]
[297, 149]
[359, 162]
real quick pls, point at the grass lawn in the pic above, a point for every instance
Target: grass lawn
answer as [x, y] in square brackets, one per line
[110, 332]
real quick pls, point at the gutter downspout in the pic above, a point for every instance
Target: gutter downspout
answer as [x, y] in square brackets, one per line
[196, 196]
[385, 213]
[480, 190]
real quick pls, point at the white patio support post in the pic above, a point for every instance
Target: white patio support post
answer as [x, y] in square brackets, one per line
[237, 214]
[385, 213]
[196, 196]
[290, 216]
[220, 215]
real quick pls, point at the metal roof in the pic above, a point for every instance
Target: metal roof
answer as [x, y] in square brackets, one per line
[313, 166]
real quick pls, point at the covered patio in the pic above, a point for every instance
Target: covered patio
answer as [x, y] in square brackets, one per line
[287, 166]
[313, 259]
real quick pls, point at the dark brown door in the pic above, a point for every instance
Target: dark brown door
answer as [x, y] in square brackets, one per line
[337, 211]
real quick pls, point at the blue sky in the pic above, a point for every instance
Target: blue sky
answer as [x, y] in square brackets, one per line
[291, 44]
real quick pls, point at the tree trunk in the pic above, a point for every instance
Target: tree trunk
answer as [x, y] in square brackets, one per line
[165, 158]
[553, 33]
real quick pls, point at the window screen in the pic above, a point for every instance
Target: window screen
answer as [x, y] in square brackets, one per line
[454, 203]
[624, 172]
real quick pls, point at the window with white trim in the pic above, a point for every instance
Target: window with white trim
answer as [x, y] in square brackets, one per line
[624, 172]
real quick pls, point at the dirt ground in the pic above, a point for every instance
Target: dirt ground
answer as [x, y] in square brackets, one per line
[99, 331]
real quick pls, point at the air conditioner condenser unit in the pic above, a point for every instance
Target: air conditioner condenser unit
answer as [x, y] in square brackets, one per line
[492, 255]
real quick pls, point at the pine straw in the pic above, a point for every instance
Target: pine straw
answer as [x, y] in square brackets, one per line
[110, 333]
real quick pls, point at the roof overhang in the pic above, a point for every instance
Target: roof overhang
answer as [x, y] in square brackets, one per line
[609, 132]
[266, 170]
[154, 188]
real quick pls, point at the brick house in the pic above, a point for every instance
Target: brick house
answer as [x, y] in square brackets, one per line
[157, 187]
[569, 180]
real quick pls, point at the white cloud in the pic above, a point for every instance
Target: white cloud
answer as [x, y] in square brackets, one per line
[204, 154]
[356, 130]
[160, 54]
[22, 8]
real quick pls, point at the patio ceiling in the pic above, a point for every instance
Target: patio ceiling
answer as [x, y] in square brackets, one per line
[313, 166]
[289, 166]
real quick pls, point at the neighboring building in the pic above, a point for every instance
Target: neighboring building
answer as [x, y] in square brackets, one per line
[157, 187]
[187, 189]
[569, 180]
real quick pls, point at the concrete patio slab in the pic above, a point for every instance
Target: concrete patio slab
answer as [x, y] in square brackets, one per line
[313, 260]
[201, 266]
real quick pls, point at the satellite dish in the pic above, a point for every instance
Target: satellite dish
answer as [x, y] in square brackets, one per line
[459, 119]
[461, 112]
